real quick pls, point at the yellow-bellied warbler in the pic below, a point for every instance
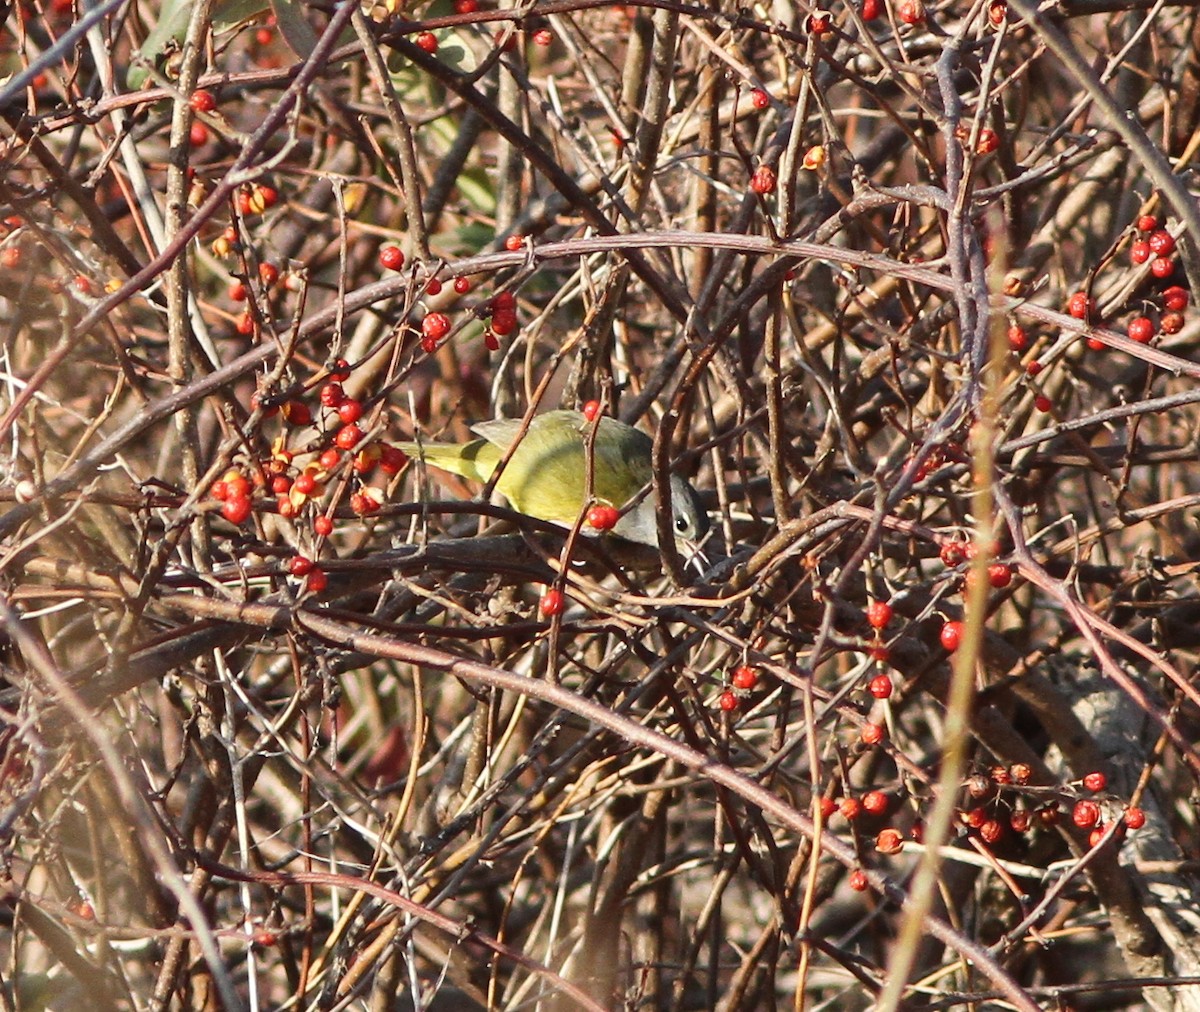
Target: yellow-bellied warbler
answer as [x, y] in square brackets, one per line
[546, 477]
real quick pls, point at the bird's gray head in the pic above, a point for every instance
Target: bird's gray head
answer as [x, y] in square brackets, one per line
[689, 523]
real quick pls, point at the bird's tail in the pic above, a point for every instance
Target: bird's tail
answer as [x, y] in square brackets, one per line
[475, 460]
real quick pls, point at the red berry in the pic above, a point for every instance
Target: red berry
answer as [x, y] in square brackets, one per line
[952, 553]
[435, 326]
[974, 818]
[504, 321]
[348, 437]
[1018, 338]
[462, 285]
[951, 636]
[1139, 252]
[198, 135]
[237, 291]
[880, 686]
[879, 614]
[245, 324]
[263, 36]
[305, 484]
[329, 458]
[237, 483]
[392, 459]
[340, 371]
[760, 98]
[1095, 344]
[236, 509]
[332, 395]
[872, 734]
[1021, 773]
[871, 9]
[875, 802]
[1175, 298]
[280, 484]
[1161, 242]
[910, 12]
[1163, 267]
[1147, 223]
[1081, 306]
[1135, 818]
[991, 831]
[391, 257]
[491, 341]
[543, 37]
[323, 526]
[429, 345]
[745, 678]
[590, 410]
[850, 808]
[603, 518]
[268, 273]
[999, 575]
[1140, 330]
[727, 701]
[763, 180]
[1033, 368]
[514, 242]
[363, 504]
[350, 410]
[551, 602]
[317, 580]
[1096, 835]
[1095, 782]
[1085, 814]
[299, 565]
[1019, 821]
[1171, 323]
[503, 300]
[466, 6]
[1042, 402]
[828, 807]
[427, 41]
[297, 413]
[818, 24]
[987, 142]
[889, 841]
[202, 100]
[858, 881]
[433, 287]
[1048, 816]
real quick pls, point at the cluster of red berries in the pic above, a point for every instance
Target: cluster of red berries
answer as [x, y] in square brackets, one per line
[298, 485]
[743, 680]
[256, 198]
[1156, 247]
[987, 817]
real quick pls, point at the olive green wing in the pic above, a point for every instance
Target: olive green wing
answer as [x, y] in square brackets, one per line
[545, 477]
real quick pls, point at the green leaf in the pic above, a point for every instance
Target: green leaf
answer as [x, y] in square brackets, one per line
[294, 27]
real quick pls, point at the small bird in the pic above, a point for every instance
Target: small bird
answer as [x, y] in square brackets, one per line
[546, 477]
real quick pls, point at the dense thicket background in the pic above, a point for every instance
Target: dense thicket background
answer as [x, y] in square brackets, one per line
[903, 289]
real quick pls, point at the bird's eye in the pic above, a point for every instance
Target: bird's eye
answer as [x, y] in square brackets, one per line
[681, 523]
